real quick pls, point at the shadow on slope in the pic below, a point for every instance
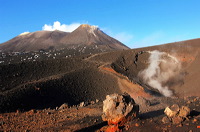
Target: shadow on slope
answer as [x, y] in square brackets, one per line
[72, 88]
[14, 75]
[80, 85]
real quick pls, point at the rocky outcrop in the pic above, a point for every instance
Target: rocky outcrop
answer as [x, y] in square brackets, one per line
[117, 109]
[176, 114]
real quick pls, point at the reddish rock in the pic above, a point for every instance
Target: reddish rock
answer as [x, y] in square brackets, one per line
[112, 128]
[117, 109]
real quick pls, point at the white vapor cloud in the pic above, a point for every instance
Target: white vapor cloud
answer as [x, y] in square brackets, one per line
[162, 69]
[62, 27]
[24, 33]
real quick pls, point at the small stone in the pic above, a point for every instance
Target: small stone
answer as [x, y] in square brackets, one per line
[18, 111]
[177, 120]
[97, 100]
[63, 106]
[92, 102]
[48, 113]
[195, 99]
[57, 108]
[165, 120]
[184, 111]
[82, 104]
[31, 112]
[127, 127]
[112, 128]
[137, 125]
[172, 110]
[195, 120]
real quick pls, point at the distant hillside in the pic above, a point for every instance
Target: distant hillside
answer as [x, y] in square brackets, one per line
[45, 40]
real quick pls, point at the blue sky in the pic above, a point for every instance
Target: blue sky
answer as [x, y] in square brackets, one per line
[137, 23]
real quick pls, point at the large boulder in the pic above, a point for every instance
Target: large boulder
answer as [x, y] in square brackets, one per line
[118, 108]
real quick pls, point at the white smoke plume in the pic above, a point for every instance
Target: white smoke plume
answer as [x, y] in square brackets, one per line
[24, 33]
[62, 27]
[162, 68]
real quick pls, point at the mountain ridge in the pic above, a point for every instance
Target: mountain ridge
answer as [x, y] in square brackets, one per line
[84, 35]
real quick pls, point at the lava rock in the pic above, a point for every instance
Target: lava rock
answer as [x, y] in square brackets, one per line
[118, 108]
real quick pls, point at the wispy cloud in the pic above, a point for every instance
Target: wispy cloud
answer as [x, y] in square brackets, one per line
[62, 27]
[123, 37]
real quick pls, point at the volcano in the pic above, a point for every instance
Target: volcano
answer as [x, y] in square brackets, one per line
[45, 40]
[86, 34]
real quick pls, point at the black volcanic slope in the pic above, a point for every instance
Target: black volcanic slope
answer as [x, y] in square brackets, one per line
[44, 84]
[45, 40]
